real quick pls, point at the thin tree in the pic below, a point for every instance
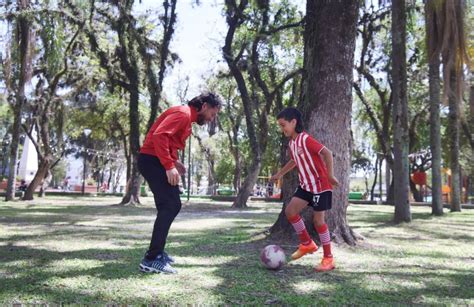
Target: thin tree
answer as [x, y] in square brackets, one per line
[23, 50]
[445, 37]
[400, 113]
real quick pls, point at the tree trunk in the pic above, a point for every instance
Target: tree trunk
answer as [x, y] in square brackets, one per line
[435, 136]
[183, 160]
[247, 186]
[45, 183]
[23, 37]
[400, 113]
[131, 197]
[11, 184]
[129, 65]
[374, 184]
[43, 169]
[388, 183]
[237, 171]
[330, 33]
[380, 180]
[282, 228]
[454, 147]
[211, 187]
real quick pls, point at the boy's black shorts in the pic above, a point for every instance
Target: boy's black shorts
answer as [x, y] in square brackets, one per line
[319, 202]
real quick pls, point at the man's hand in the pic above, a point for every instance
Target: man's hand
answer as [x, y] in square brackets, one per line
[180, 167]
[333, 181]
[173, 176]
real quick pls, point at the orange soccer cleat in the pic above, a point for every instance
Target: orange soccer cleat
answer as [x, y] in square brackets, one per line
[327, 264]
[304, 249]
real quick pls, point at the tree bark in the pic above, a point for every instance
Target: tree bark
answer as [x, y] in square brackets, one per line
[454, 146]
[129, 65]
[45, 183]
[374, 184]
[131, 197]
[330, 33]
[41, 173]
[400, 113]
[23, 38]
[435, 132]
[247, 186]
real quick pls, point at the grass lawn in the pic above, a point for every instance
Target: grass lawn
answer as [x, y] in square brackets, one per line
[66, 250]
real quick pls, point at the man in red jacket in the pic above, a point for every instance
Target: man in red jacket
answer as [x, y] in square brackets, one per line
[158, 163]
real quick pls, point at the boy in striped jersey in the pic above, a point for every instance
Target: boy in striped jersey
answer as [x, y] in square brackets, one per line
[315, 171]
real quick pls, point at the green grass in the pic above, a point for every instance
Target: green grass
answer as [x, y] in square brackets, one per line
[66, 250]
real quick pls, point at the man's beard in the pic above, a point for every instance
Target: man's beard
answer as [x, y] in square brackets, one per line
[200, 120]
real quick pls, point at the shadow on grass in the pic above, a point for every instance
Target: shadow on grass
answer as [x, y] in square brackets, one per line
[242, 279]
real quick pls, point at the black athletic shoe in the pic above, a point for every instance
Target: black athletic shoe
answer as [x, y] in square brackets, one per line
[159, 265]
[168, 258]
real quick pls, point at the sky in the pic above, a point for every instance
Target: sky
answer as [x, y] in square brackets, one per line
[198, 39]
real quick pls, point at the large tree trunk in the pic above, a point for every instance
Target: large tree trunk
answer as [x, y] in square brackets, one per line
[453, 132]
[282, 228]
[435, 124]
[400, 113]
[330, 33]
[23, 38]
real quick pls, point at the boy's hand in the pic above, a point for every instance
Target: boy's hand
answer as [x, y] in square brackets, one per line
[275, 178]
[333, 180]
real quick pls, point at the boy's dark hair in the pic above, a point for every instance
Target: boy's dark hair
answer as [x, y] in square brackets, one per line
[210, 98]
[289, 114]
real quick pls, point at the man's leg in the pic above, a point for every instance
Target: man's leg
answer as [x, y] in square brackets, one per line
[168, 204]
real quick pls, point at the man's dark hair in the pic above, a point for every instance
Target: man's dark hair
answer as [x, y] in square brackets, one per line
[210, 98]
[289, 114]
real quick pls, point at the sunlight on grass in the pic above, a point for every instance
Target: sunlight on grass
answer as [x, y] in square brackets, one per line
[60, 250]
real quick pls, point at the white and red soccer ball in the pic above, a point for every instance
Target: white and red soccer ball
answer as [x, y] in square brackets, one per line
[273, 257]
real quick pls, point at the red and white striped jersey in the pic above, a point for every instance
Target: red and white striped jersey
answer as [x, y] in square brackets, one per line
[312, 171]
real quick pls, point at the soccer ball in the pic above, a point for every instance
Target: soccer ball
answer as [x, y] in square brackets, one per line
[273, 257]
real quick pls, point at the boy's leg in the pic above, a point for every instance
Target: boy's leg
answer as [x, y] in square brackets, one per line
[322, 203]
[292, 212]
[323, 232]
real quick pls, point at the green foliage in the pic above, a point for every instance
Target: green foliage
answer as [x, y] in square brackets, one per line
[225, 170]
